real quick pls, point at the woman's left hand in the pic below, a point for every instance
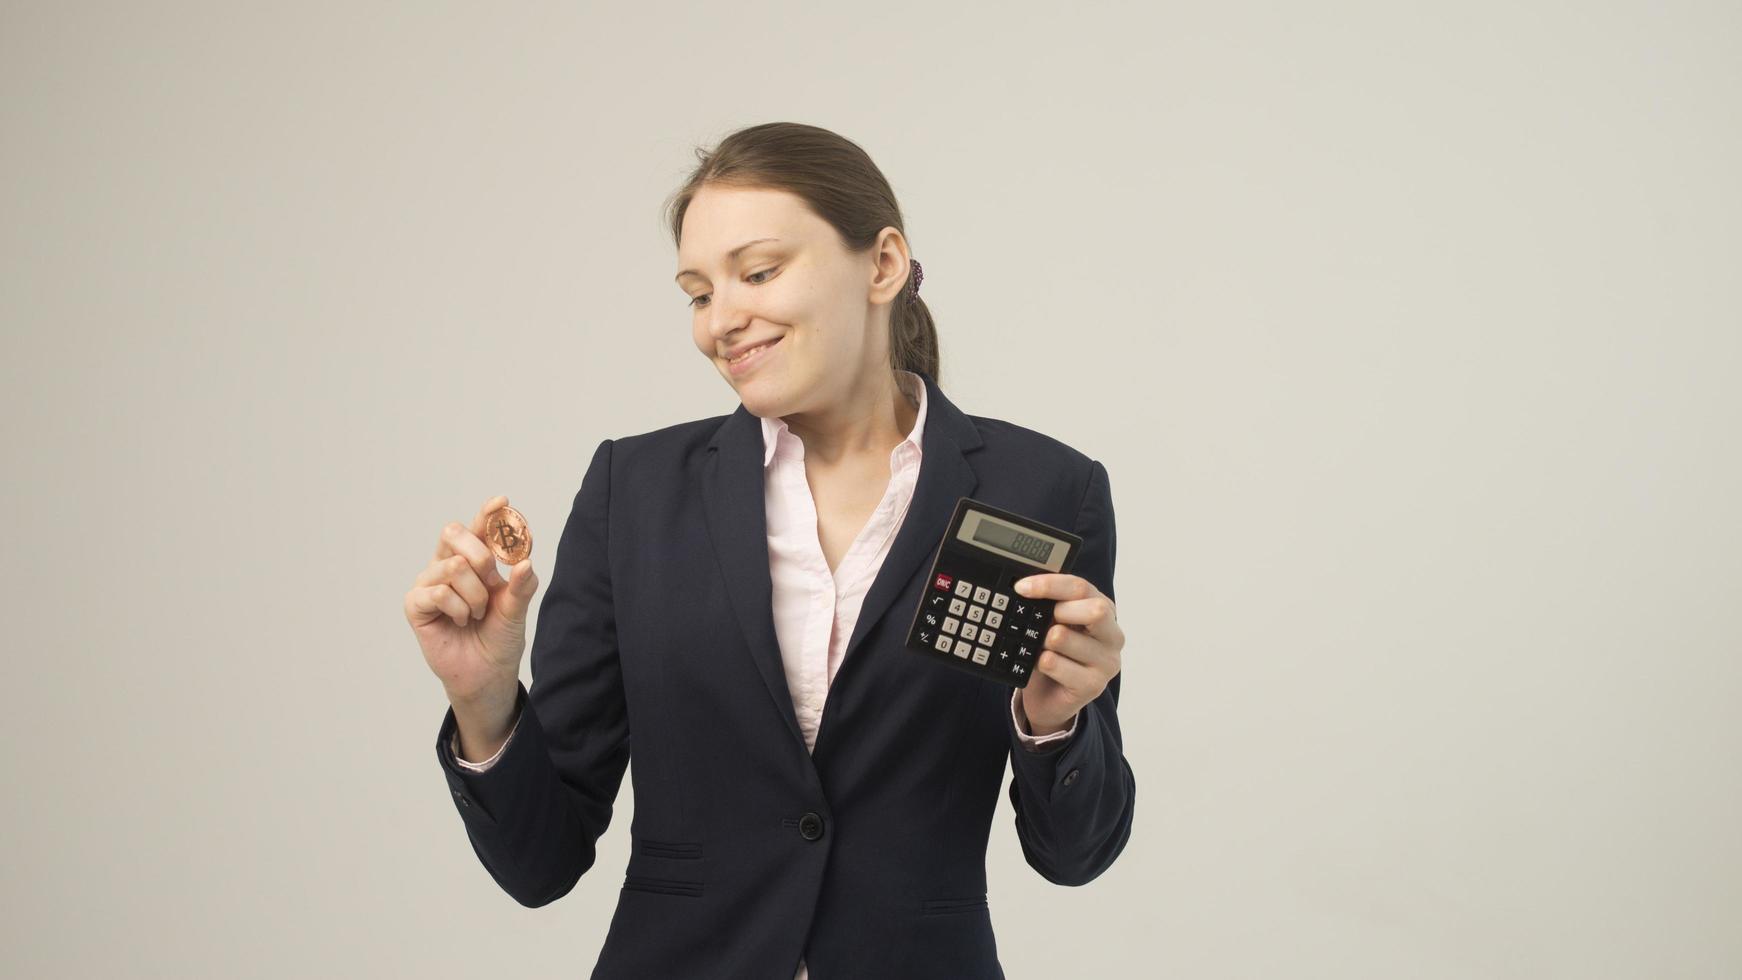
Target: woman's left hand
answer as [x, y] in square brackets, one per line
[1079, 654]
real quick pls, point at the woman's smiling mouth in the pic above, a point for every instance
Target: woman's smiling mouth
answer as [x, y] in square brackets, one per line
[754, 357]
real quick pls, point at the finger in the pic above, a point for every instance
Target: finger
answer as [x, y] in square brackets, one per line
[458, 539]
[445, 548]
[430, 602]
[1095, 615]
[453, 604]
[457, 573]
[1076, 678]
[522, 585]
[481, 527]
[1055, 585]
[480, 520]
[1075, 645]
[420, 608]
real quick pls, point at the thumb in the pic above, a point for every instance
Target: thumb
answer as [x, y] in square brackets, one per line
[522, 584]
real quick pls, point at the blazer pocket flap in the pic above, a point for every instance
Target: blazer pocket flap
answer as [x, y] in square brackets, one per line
[663, 886]
[681, 850]
[951, 906]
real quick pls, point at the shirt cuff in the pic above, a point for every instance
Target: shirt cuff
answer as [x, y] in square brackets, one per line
[454, 748]
[1037, 741]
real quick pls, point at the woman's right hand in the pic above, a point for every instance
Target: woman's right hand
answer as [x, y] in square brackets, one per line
[470, 621]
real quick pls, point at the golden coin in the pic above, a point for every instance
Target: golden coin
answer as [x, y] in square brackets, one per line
[505, 531]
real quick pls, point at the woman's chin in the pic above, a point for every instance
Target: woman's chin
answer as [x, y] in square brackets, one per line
[760, 398]
[753, 380]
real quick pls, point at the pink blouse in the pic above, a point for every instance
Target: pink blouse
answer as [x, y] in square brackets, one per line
[815, 610]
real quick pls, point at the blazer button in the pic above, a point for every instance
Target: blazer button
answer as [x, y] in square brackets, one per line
[810, 826]
[1070, 777]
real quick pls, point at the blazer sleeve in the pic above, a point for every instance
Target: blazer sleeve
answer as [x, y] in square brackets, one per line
[535, 815]
[1074, 803]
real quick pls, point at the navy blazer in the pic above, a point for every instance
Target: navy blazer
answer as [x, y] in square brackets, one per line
[655, 643]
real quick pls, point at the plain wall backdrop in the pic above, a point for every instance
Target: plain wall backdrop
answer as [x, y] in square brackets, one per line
[1409, 336]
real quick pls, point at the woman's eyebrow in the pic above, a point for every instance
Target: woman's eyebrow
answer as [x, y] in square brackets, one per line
[733, 254]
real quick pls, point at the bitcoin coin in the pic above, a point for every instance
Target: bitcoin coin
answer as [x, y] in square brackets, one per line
[506, 533]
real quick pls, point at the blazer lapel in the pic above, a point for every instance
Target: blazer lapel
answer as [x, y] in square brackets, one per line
[944, 478]
[733, 501]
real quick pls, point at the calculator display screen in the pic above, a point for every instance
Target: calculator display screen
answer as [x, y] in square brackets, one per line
[989, 533]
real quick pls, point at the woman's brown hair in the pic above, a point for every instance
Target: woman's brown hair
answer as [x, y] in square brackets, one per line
[838, 182]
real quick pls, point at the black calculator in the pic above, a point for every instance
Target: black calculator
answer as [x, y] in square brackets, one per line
[969, 615]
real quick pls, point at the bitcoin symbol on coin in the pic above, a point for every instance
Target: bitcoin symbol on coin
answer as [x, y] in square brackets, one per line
[508, 536]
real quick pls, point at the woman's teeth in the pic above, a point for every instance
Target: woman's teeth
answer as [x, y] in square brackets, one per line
[753, 350]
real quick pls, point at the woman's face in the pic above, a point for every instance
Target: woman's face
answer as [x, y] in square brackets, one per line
[801, 288]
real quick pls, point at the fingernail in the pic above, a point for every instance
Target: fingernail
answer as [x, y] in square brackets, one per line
[1022, 586]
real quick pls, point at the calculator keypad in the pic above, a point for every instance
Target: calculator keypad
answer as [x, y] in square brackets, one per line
[982, 623]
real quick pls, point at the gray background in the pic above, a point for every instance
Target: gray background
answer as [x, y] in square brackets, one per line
[1407, 333]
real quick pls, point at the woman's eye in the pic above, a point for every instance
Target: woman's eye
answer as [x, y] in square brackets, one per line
[697, 302]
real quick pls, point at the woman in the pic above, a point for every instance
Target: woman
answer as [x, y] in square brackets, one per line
[773, 559]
